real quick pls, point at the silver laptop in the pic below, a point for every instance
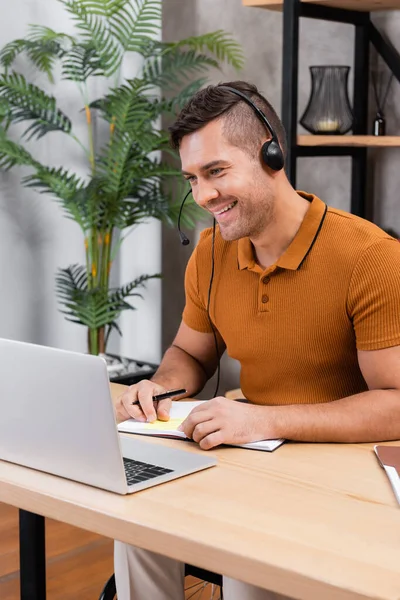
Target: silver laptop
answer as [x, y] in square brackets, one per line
[56, 415]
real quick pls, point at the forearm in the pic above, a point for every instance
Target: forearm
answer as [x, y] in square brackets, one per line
[371, 416]
[178, 369]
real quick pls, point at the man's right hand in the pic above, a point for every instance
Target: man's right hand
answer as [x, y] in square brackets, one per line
[146, 409]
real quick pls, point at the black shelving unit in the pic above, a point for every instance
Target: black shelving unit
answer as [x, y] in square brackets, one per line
[365, 32]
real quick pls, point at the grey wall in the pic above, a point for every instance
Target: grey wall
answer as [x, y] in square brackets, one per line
[260, 33]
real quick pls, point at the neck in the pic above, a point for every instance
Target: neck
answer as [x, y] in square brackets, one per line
[289, 212]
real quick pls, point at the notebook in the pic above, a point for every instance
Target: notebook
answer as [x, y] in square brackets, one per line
[389, 459]
[179, 412]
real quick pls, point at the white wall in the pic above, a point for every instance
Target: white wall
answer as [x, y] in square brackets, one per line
[36, 238]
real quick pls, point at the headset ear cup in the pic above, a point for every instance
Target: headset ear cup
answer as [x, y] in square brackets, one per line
[272, 155]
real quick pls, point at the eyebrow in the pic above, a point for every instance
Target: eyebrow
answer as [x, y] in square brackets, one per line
[208, 166]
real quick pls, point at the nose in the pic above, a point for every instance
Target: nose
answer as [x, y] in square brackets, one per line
[204, 193]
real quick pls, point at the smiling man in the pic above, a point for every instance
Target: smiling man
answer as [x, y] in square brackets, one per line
[304, 296]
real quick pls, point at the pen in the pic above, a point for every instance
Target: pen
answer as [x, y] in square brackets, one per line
[168, 394]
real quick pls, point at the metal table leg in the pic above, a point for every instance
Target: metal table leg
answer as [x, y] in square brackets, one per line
[32, 556]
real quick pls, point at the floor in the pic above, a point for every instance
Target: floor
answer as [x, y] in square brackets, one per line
[78, 562]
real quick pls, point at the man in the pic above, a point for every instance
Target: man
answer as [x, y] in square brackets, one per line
[306, 297]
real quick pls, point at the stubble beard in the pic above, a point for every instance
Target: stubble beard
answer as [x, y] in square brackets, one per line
[250, 225]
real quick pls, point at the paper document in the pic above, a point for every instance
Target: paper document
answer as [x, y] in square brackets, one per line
[179, 412]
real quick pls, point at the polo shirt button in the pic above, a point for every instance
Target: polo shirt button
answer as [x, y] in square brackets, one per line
[266, 279]
[264, 299]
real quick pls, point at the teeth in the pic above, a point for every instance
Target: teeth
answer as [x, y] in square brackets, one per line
[226, 208]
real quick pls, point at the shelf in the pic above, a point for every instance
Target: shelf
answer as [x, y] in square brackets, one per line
[383, 141]
[361, 5]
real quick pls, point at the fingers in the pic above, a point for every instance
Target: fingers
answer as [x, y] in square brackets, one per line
[206, 424]
[163, 409]
[144, 395]
[193, 420]
[203, 429]
[212, 440]
[207, 434]
[145, 410]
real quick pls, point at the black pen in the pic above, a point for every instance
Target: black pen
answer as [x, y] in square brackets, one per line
[165, 395]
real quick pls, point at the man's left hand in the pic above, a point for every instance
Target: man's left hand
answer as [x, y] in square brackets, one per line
[223, 421]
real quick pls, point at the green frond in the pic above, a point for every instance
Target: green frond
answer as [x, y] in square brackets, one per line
[4, 114]
[131, 107]
[132, 24]
[180, 99]
[147, 201]
[219, 43]
[151, 140]
[82, 305]
[93, 307]
[41, 33]
[123, 99]
[44, 56]
[113, 162]
[42, 45]
[10, 51]
[45, 46]
[138, 22]
[175, 68]
[96, 35]
[74, 278]
[12, 154]
[118, 295]
[102, 8]
[127, 107]
[28, 102]
[124, 161]
[67, 188]
[161, 198]
[154, 168]
[81, 62]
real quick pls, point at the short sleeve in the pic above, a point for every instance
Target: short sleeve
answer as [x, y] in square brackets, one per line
[195, 312]
[373, 302]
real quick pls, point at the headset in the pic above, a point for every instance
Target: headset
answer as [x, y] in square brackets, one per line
[272, 156]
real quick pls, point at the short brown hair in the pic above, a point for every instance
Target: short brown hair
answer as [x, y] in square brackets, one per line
[242, 127]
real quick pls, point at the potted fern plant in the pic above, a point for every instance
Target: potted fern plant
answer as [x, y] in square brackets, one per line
[127, 181]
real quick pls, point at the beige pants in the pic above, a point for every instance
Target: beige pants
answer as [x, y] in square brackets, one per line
[144, 575]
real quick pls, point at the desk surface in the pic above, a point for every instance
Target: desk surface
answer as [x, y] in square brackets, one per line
[311, 521]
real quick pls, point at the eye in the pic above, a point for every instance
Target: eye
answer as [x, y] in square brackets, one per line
[190, 178]
[215, 171]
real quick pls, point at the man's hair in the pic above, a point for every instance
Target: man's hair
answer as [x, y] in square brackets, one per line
[241, 127]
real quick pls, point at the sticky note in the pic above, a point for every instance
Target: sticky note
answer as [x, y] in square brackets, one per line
[170, 425]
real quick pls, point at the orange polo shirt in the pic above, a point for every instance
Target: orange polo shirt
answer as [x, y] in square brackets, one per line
[295, 327]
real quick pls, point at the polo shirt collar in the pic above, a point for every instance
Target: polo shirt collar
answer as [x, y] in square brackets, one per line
[300, 245]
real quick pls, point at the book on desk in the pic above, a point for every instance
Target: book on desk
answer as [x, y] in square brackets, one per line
[179, 412]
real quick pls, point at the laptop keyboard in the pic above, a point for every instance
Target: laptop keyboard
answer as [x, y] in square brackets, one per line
[137, 471]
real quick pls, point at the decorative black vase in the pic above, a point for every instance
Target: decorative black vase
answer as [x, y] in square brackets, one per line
[328, 110]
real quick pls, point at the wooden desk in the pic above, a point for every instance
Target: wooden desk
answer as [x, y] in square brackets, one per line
[314, 522]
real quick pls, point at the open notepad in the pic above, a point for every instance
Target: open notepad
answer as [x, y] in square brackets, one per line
[179, 412]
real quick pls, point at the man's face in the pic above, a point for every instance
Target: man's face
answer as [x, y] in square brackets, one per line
[227, 182]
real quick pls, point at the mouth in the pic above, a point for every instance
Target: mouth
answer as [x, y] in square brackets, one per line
[225, 210]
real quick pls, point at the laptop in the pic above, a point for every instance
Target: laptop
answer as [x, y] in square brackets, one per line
[57, 416]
